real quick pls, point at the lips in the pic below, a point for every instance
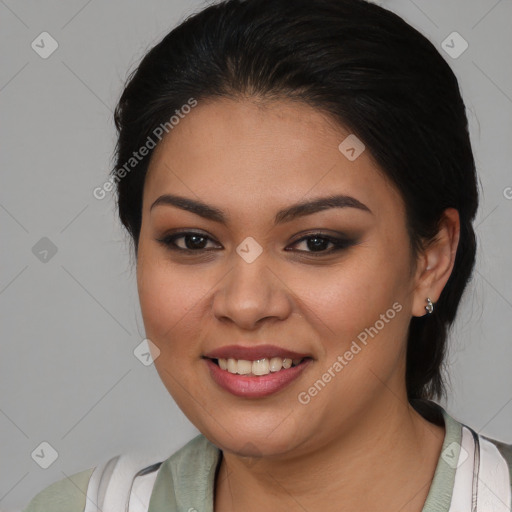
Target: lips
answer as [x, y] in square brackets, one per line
[254, 353]
[245, 386]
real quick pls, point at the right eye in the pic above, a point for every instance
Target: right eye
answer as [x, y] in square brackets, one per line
[194, 242]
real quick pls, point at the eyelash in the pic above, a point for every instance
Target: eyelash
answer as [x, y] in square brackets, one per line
[338, 243]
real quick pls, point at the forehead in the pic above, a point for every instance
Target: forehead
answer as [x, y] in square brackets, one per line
[229, 149]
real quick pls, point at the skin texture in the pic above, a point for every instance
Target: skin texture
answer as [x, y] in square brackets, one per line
[357, 442]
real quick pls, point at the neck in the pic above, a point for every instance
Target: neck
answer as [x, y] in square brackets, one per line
[385, 460]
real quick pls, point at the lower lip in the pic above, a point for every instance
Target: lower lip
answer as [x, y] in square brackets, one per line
[255, 387]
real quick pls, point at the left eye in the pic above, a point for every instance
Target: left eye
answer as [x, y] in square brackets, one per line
[317, 242]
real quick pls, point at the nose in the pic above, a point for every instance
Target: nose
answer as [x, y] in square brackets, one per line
[250, 293]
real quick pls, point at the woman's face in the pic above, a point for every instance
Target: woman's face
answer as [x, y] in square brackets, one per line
[254, 278]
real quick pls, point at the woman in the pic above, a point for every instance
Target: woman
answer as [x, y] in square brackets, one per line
[298, 182]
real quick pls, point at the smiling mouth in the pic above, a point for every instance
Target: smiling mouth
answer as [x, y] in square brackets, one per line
[259, 367]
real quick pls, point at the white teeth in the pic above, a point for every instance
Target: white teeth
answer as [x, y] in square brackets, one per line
[232, 365]
[244, 367]
[276, 363]
[259, 367]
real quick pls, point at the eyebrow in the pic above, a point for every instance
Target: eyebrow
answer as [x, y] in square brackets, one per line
[285, 215]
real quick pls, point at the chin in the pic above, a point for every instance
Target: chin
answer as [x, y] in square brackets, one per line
[248, 440]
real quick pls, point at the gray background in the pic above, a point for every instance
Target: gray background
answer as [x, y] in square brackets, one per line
[70, 324]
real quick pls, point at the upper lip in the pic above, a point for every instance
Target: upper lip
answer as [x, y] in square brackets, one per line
[253, 353]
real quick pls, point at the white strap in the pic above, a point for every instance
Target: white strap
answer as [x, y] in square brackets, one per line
[494, 493]
[110, 486]
[99, 479]
[482, 478]
[141, 492]
[463, 484]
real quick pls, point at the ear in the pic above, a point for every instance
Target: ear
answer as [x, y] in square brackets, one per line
[435, 262]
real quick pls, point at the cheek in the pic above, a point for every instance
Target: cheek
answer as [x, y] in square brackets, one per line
[359, 308]
[169, 298]
[357, 292]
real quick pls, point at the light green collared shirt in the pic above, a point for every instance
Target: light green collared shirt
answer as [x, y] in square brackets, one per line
[186, 480]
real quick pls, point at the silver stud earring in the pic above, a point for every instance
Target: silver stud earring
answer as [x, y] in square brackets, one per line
[430, 306]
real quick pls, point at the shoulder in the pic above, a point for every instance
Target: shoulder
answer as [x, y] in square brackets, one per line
[65, 495]
[489, 461]
[504, 449]
[124, 477]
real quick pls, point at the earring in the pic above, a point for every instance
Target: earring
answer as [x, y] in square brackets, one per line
[430, 306]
